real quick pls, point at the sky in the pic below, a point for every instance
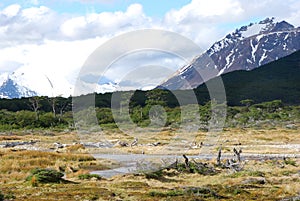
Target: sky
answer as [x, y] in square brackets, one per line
[42, 40]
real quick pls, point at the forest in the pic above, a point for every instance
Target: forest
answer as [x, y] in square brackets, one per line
[56, 112]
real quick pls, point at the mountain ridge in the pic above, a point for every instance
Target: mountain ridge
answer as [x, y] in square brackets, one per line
[10, 88]
[279, 79]
[267, 42]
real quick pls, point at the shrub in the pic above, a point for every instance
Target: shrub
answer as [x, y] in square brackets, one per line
[154, 175]
[290, 162]
[89, 176]
[9, 196]
[156, 194]
[33, 181]
[171, 193]
[1, 196]
[45, 176]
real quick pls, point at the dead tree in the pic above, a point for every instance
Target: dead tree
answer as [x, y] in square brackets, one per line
[232, 163]
[52, 102]
[135, 142]
[237, 154]
[123, 144]
[35, 105]
[235, 166]
[187, 163]
[219, 156]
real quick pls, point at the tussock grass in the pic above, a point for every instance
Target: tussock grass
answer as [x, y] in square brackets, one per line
[18, 163]
[281, 176]
[9, 138]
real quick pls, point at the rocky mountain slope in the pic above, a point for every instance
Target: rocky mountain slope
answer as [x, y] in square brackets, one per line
[278, 80]
[244, 49]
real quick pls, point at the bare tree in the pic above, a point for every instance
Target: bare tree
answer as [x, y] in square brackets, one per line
[219, 156]
[62, 104]
[52, 102]
[237, 154]
[35, 105]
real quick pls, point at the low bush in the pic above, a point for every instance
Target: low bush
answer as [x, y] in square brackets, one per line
[39, 175]
[89, 176]
[290, 162]
[154, 175]
[1, 196]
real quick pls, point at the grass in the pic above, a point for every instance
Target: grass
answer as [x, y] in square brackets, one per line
[182, 186]
[290, 162]
[89, 176]
[281, 176]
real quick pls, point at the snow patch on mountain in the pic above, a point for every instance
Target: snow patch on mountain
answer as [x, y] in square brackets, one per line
[246, 48]
[11, 87]
[253, 30]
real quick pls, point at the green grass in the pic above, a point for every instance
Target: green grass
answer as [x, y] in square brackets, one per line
[89, 176]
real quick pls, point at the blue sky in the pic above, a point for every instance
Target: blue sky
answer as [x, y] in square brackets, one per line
[154, 8]
[55, 37]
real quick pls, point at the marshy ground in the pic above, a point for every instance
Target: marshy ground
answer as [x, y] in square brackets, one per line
[262, 178]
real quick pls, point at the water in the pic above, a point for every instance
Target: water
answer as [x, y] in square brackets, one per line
[129, 162]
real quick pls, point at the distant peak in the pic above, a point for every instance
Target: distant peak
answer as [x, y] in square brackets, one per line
[267, 20]
[283, 26]
[265, 26]
[11, 87]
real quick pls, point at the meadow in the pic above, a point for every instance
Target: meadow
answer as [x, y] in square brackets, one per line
[259, 178]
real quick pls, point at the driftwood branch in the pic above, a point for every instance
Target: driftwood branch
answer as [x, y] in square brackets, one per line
[219, 157]
[135, 142]
[235, 166]
[187, 163]
[233, 163]
[237, 154]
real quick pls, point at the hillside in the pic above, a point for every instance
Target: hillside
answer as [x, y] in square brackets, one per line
[277, 80]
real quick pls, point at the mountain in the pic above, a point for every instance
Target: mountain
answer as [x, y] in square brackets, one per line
[278, 80]
[244, 49]
[10, 87]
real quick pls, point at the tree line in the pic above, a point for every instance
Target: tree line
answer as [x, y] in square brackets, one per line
[56, 112]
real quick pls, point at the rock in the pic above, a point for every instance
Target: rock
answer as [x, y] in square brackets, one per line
[98, 144]
[255, 180]
[123, 144]
[296, 198]
[156, 144]
[291, 126]
[135, 142]
[58, 145]
[14, 144]
[94, 179]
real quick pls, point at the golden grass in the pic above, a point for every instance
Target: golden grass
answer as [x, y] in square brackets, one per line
[282, 178]
[281, 183]
[9, 138]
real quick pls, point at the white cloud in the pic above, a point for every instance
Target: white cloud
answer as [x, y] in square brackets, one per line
[27, 26]
[11, 10]
[106, 23]
[206, 21]
[57, 60]
[203, 8]
[200, 19]
[9, 66]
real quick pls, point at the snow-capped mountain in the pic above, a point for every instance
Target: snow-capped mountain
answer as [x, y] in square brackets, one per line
[10, 87]
[244, 49]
